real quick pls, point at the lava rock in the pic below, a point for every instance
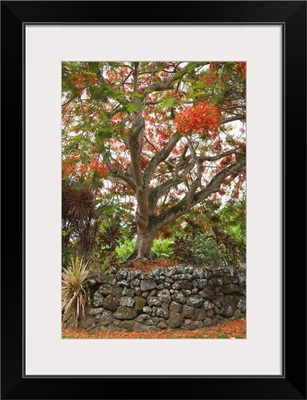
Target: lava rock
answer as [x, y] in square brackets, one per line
[111, 303]
[153, 321]
[189, 269]
[182, 285]
[127, 301]
[153, 301]
[97, 300]
[175, 307]
[128, 292]
[179, 277]
[179, 269]
[161, 313]
[187, 311]
[142, 317]
[111, 271]
[127, 326]
[176, 322]
[194, 325]
[164, 296]
[123, 284]
[162, 325]
[122, 275]
[179, 298]
[242, 304]
[124, 312]
[212, 282]
[202, 283]
[227, 279]
[195, 301]
[106, 289]
[147, 285]
[227, 311]
[228, 300]
[195, 283]
[197, 273]
[104, 278]
[157, 271]
[230, 289]
[208, 305]
[106, 318]
[96, 311]
[209, 293]
[210, 312]
[199, 314]
[139, 304]
[147, 310]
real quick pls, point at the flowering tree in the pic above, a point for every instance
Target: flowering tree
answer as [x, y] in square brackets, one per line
[167, 134]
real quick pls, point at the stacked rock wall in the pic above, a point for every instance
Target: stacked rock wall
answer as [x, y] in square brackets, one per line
[166, 298]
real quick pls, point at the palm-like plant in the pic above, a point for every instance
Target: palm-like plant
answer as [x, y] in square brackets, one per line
[74, 281]
[79, 213]
[78, 203]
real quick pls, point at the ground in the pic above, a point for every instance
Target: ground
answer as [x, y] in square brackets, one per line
[235, 329]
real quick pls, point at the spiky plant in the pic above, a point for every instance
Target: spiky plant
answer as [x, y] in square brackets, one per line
[79, 213]
[78, 203]
[74, 281]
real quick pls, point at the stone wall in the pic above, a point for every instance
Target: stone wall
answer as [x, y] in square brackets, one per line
[166, 298]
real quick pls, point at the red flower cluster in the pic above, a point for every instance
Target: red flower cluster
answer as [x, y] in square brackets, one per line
[82, 81]
[201, 118]
[241, 67]
[210, 77]
[99, 167]
[71, 166]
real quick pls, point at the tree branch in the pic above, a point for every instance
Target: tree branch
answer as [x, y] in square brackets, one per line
[186, 204]
[215, 183]
[116, 173]
[160, 190]
[197, 182]
[168, 83]
[234, 118]
[159, 157]
[217, 156]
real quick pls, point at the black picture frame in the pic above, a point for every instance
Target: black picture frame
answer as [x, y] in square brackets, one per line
[292, 16]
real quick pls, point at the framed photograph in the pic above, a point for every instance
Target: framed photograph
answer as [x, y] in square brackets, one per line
[128, 116]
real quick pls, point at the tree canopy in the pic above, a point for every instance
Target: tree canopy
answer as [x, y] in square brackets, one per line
[164, 137]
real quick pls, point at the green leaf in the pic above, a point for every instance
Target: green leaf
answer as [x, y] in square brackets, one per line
[167, 103]
[138, 95]
[217, 100]
[103, 133]
[133, 107]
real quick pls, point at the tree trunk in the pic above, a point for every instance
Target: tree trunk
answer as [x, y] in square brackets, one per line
[143, 244]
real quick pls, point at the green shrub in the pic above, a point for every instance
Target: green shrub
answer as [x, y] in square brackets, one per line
[161, 248]
[206, 252]
[124, 249]
[181, 248]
